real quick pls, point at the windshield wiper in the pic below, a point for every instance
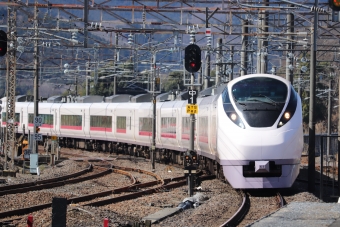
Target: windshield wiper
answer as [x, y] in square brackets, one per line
[241, 103]
[272, 102]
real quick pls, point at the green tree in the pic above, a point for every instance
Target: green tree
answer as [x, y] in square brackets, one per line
[173, 80]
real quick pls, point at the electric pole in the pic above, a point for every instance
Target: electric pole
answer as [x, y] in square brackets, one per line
[36, 75]
[311, 145]
[11, 80]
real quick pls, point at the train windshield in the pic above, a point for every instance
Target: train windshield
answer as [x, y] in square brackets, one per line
[260, 89]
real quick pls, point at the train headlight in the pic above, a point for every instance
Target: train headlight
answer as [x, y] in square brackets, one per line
[233, 116]
[287, 115]
[236, 119]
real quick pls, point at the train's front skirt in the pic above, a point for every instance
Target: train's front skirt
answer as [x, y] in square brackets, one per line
[261, 174]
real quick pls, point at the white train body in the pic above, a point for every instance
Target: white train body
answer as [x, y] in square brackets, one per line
[254, 153]
[263, 149]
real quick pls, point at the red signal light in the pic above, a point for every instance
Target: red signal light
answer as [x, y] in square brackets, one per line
[334, 4]
[192, 64]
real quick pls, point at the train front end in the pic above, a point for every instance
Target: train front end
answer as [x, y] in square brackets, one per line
[260, 136]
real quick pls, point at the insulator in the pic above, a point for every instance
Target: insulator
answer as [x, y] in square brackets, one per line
[273, 70]
[304, 69]
[144, 16]
[317, 9]
[130, 38]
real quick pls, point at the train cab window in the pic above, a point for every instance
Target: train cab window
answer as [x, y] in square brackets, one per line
[260, 100]
[261, 88]
[225, 96]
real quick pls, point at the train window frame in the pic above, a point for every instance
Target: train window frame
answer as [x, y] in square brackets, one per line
[71, 120]
[100, 121]
[244, 90]
[121, 124]
[145, 124]
[168, 126]
[48, 119]
[16, 117]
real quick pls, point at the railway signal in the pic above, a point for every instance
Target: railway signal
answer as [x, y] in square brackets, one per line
[334, 4]
[192, 58]
[3, 43]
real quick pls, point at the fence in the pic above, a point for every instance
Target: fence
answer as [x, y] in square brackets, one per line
[329, 164]
[333, 149]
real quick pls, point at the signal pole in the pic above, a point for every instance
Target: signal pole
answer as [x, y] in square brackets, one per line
[153, 144]
[192, 64]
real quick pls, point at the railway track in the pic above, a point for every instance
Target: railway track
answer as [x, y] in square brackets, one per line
[256, 205]
[158, 185]
[55, 182]
[242, 211]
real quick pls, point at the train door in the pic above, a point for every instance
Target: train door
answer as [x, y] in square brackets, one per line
[213, 127]
[124, 122]
[56, 119]
[86, 121]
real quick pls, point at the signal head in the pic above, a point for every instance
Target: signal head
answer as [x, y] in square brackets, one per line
[192, 58]
[334, 4]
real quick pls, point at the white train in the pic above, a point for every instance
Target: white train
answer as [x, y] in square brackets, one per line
[252, 131]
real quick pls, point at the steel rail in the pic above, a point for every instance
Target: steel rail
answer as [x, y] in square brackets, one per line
[31, 209]
[280, 200]
[25, 185]
[240, 213]
[59, 182]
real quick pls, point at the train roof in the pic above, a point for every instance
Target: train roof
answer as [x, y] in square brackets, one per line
[122, 98]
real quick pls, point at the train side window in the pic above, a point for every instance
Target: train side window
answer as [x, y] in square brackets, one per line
[121, 124]
[71, 120]
[3, 117]
[145, 124]
[225, 96]
[168, 125]
[101, 121]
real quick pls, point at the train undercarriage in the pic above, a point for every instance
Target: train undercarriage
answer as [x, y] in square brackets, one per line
[165, 156]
